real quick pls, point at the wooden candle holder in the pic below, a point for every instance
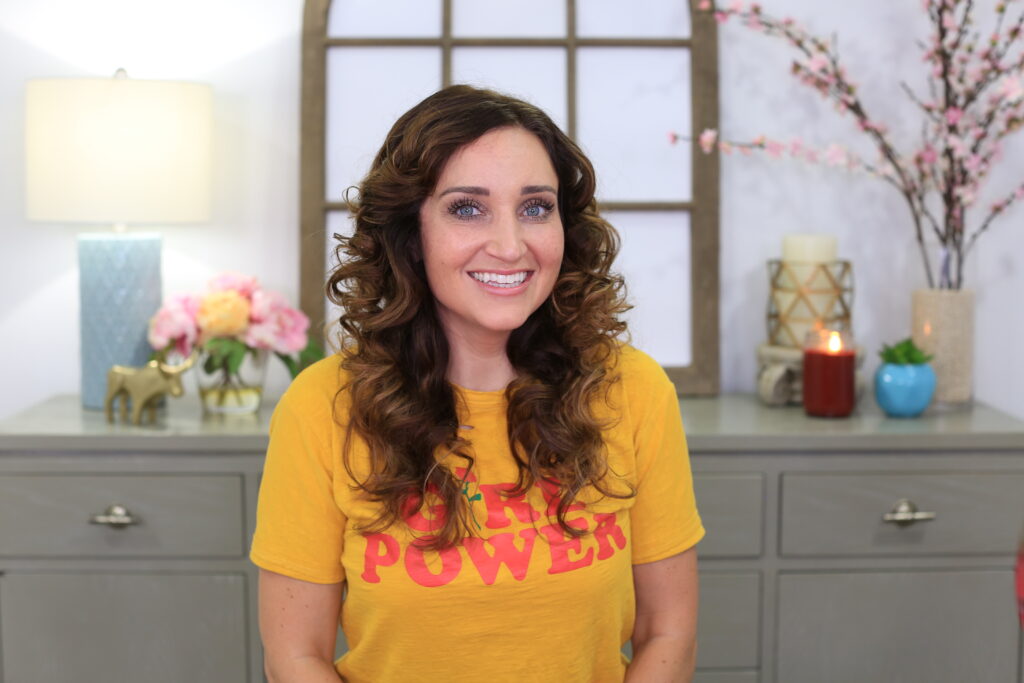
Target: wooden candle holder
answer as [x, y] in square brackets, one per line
[807, 296]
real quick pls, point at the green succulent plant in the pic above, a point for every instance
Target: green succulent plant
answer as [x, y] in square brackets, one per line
[905, 352]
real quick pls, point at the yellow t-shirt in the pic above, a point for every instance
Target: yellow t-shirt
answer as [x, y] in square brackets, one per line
[518, 600]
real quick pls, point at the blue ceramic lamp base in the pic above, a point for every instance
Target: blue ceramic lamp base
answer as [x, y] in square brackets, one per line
[119, 287]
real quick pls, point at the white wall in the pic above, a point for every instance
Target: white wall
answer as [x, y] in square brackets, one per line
[764, 199]
[249, 52]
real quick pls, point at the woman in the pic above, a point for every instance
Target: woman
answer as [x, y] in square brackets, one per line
[497, 486]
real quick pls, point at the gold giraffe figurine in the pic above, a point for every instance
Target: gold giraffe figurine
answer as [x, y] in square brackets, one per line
[144, 386]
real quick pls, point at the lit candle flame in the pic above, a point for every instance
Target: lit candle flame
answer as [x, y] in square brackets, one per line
[835, 342]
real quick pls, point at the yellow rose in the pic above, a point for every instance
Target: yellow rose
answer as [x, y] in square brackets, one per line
[223, 314]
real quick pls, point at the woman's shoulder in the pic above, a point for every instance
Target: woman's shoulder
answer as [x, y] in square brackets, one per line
[638, 373]
[316, 388]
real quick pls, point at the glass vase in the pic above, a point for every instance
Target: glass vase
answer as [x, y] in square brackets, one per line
[232, 393]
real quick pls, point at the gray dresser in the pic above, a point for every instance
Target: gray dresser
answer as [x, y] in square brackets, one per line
[159, 591]
[802, 579]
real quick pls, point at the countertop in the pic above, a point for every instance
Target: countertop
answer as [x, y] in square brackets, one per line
[728, 423]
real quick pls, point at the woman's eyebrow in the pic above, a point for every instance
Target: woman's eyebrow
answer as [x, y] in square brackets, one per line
[473, 189]
[466, 189]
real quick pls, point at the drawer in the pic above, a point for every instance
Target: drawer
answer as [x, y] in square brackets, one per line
[887, 626]
[121, 627]
[842, 514]
[729, 622]
[732, 508]
[48, 515]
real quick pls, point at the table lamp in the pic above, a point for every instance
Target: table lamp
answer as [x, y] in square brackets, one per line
[117, 151]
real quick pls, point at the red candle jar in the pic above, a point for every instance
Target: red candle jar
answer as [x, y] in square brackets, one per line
[829, 373]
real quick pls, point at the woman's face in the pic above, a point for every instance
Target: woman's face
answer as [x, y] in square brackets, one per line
[491, 235]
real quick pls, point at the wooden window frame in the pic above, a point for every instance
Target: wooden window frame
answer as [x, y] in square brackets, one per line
[701, 377]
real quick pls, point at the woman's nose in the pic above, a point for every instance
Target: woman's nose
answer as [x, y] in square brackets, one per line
[506, 240]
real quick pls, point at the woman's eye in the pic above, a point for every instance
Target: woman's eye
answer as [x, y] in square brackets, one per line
[464, 210]
[538, 209]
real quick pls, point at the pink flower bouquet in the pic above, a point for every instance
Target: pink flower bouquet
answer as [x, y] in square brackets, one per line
[234, 318]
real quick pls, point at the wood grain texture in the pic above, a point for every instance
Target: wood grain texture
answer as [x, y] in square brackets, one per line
[312, 163]
[702, 376]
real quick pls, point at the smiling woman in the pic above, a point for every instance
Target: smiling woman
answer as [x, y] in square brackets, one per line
[492, 249]
[485, 460]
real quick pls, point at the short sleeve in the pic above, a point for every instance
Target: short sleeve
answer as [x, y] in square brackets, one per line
[299, 526]
[664, 518]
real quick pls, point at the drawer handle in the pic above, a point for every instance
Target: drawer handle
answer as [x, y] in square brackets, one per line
[905, 513]
[116, 516]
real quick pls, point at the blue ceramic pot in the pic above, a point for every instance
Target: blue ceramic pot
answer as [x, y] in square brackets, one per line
[904, 390]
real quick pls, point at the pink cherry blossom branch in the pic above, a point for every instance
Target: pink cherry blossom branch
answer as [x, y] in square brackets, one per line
[823, 72]
[834, 155]
[964, 119]
[996, 209]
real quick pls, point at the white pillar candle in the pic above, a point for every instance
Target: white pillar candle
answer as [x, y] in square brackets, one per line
[809, 248]
[802, 254]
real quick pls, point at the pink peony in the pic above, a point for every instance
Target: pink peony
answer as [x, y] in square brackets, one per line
[175, 323]
[275, 325]
[231, 281]
[264, 304]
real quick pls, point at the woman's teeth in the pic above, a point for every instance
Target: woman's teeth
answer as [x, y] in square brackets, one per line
[499, 280]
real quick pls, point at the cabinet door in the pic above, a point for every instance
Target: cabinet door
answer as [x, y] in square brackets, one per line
[152, 627]
[935, 626]
[732, 508]
[729, 620]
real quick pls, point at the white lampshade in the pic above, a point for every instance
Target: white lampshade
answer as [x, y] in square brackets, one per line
[118, 150]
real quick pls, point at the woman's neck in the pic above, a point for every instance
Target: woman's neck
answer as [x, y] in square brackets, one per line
[479, 364]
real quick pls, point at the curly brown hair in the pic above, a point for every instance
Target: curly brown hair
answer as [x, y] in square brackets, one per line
[396, 353]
